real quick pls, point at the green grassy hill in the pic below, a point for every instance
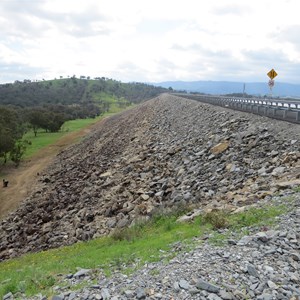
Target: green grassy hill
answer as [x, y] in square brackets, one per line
[70, 91]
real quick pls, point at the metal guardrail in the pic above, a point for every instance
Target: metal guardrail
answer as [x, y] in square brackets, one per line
[277, 109]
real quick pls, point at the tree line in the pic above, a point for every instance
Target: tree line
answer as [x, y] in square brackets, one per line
[11, 132]
[16, 121]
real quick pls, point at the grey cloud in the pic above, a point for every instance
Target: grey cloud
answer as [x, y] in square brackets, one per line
[223, 65]
[288, 72]
[254, 66]
[21, 7]
[167, 64]
[232, 10]
[289, 34]
[220, 64]
[128, 70]
[193, 47]
[20, 16]
[24, 28]
[81, 24]
[84, 29]
[16, 71]
[21, 20]
[178, 47]
[200, 49]
[266, 56]
[157, 27]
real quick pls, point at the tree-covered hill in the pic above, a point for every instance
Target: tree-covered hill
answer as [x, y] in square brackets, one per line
[47, 105]
[73, 91]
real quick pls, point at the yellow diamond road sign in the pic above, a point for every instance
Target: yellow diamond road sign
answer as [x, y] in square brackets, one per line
[272, 74]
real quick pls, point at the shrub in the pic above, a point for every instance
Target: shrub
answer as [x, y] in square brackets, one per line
[128, 234]
[217, 218]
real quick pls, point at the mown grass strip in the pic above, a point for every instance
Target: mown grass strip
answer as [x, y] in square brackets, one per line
[142, 243]
[44, 139]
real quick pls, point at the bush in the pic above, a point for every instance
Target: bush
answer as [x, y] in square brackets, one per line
[128, 234]
[18, 151]
[217, 218]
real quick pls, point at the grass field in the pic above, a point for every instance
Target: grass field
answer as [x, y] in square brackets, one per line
[125, 250]
[44, 139]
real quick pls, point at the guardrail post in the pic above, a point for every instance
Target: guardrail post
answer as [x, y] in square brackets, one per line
[284, 114]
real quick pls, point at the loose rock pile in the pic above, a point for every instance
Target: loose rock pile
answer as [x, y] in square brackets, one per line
[166, 152]
[263, 265]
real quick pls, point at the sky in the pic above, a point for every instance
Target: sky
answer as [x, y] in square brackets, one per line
[150, 41]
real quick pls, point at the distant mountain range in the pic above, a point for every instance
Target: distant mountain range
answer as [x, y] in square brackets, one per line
[226, 87]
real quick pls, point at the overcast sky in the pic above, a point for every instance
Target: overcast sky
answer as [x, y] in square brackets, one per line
[150, 41]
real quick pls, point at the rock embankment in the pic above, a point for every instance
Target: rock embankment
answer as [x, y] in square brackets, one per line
[166, 152]
[263, 265]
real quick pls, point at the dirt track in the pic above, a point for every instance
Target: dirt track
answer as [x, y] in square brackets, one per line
[23, 179]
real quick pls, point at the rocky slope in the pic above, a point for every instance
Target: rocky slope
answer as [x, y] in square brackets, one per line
[262, 265]
[168, 151]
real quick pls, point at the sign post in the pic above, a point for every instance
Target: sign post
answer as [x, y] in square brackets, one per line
[272, 74]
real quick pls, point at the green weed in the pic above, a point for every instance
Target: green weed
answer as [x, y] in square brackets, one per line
[217, 218]
[125, 250]
[257, 216]
[219, 239]
[296, 189]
